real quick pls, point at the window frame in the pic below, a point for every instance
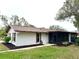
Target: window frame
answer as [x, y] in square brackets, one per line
[14, 37]
[38, 37]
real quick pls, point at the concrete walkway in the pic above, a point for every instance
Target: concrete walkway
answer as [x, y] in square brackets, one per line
[28, 48]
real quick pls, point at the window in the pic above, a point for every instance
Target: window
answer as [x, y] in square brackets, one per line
[14, 36]
[38, 37]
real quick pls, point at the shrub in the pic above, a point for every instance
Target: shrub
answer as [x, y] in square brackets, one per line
[77, 41]
[7, 39]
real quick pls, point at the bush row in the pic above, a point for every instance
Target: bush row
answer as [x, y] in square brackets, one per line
[77, 41]
[7, 39]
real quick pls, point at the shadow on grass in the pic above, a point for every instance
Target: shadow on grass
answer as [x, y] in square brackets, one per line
[63, 44]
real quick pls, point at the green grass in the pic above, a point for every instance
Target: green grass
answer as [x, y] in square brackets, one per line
[3, 47]
[52, 52]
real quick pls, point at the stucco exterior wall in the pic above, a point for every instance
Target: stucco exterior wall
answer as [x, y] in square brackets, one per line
[11, 31]
[44, 38]
[25, 38]
[10, 34]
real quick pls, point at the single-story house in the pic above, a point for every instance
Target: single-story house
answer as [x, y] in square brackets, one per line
[24, 35]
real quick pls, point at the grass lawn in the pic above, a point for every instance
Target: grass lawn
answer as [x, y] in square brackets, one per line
[3, 47]
[51, 52]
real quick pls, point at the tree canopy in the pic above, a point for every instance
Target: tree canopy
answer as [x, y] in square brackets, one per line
[2, 32]
[56, 27]
[69, 9]
[14, 20]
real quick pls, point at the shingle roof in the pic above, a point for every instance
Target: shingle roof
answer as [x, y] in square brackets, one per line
[62, 31]
[34, 29]
[29, 29]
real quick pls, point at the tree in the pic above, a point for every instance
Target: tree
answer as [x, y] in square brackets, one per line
[23, 22]
[2, 32]
[56, 27]
[69, 9]
[15, 20]
[4, 19]
[6, 24]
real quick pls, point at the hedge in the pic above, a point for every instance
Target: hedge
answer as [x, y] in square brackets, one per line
[7, 39]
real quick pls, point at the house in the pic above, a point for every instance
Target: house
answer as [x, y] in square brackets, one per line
[24, 35]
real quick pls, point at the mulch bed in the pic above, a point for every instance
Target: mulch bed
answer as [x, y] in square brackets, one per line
[11, 46]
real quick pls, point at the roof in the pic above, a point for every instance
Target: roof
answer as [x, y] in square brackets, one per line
[28, 29]
[34, 29]
[62, 31]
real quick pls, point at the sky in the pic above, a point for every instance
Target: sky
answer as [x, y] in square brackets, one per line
[40, 13]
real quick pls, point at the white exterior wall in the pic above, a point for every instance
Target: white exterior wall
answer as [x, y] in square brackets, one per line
[44, 38]
[10, 32]
[70, 38]
[25, 38]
